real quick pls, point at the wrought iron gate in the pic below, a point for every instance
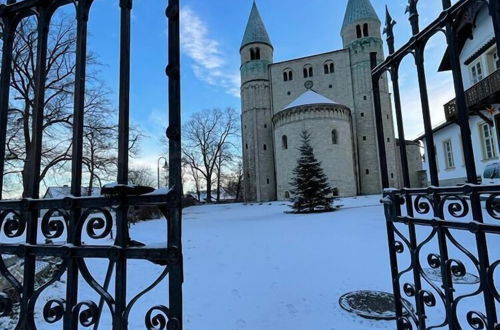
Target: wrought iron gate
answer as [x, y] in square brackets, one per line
[445, 211]
[95, 217]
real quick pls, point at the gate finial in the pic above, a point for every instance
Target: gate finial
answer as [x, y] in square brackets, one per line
[389, 30]
[413, 11]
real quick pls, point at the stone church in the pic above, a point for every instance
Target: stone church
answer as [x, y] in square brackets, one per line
[329, 94]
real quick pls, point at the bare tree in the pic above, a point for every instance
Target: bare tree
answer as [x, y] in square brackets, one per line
[206, 134]
[234, 181]
[99, 132]
[142, 176]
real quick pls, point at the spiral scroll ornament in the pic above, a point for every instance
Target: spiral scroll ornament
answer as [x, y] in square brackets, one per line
[434, 260]
[158, 318]
[14, 224]
[458, 206]
[53, 311]
[54, 228]
[404, 323]
[87, 313]
[477, 320]
[422, 204]
[493, 206]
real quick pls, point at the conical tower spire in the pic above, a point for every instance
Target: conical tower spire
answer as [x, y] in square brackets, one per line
[256, 31]
[358, 10]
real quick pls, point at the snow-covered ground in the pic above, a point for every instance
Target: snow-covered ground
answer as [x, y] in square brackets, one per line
[256, 267]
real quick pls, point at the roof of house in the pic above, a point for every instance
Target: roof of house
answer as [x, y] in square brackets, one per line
[65, 191]
[308, 98]
[359, 10]
[255, 30]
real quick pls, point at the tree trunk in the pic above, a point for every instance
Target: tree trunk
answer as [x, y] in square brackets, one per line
[218, 184]
[209, 189]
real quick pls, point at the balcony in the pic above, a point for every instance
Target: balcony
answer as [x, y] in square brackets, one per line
[478, 97]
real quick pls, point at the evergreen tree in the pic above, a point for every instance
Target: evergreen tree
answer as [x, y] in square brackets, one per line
[311, 189]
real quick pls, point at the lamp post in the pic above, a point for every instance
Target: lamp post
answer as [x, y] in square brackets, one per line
[158, 167]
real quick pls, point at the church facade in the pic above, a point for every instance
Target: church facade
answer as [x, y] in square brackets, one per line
[329, 95]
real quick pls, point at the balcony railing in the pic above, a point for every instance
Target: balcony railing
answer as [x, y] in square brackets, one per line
[482, 94]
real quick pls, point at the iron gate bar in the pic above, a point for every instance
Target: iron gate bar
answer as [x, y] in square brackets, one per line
[416, 46]
[74, 213]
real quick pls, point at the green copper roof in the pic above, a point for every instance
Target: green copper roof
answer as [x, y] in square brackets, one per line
[255, 31]
[359, 10]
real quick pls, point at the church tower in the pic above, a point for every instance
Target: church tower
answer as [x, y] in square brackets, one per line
[361, 35]
[256, 118]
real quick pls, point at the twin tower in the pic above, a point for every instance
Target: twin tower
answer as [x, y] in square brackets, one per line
[329, 95]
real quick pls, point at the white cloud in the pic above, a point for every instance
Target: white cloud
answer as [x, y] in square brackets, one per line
[208, 60]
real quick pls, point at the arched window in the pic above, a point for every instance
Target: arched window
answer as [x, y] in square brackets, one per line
[305, 73]
[257, 53]
[365, 29]
[287, 74]
[252, 54]
[334, 137]
[265, 146]
[329, 67]
[284, 142]
[310, 71]
[358, 31]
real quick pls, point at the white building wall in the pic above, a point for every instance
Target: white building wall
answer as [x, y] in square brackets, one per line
[483, 32]
[457, 174]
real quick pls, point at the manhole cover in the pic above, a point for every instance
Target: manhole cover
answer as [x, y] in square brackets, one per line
[435, 276]
[371, 304]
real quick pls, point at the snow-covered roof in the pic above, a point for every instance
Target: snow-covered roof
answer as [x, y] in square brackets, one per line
[308, 98]
[65, 191]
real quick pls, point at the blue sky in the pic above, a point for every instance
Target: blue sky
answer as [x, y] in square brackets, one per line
[211, 37]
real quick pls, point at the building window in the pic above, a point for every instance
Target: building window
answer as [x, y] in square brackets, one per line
[334, 137]
[364, 138]
[287, 75]
[365, 29]
[388, 139]
[448, 154]
[265, 146]
[254, 54]
[329, 67]
[265, 125]
[358, 31]
[367, 172]
[488, 142]
[246, 146]
[268, 181]
[476, 72]
[362, 114]
[287, 194]
[284, 142]
[392, 175]
[308, 71]
[365, 98]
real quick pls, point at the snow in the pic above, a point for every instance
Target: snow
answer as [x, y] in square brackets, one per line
[308, 98]
[256, 267]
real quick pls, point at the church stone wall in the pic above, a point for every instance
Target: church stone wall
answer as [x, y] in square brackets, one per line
[337, 160]
[335, 86]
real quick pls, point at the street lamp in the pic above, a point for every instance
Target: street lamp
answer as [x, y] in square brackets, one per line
[164, 166]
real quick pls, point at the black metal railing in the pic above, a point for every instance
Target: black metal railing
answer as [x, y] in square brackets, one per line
[36, 230]
[456, 22]
[478, 97]
[438, 250]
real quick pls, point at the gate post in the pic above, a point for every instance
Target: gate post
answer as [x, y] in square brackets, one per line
[175, 176]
